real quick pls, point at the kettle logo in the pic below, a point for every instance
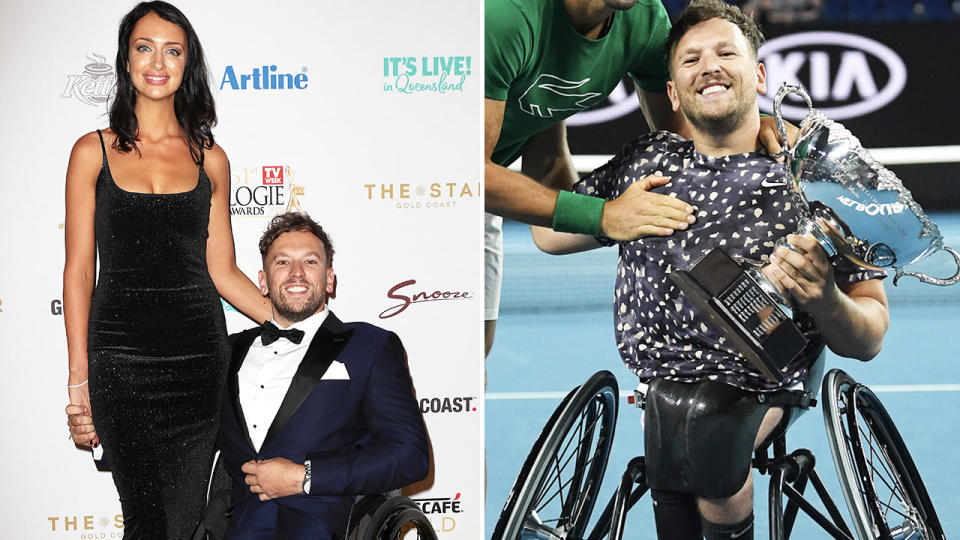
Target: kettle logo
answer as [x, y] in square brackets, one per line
[846, 75]
[95, 85]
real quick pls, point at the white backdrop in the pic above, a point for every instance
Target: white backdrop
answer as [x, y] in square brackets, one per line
[379, 144]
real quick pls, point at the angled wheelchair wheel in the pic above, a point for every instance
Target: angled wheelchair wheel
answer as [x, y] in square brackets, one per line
[375, 517]
[880, 482]
[557, 487]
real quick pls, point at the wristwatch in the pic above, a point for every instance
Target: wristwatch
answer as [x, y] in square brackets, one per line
[305, 487]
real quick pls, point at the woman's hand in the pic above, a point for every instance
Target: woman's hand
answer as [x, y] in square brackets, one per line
[79, 417]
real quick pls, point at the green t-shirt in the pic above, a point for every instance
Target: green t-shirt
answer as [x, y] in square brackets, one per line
[545, 71]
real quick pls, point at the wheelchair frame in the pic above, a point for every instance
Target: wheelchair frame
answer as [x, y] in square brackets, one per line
[860, 433]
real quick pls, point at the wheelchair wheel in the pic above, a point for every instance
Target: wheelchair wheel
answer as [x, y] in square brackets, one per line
[556, 489]
[407, 523]
[880, 482]
[376, 517]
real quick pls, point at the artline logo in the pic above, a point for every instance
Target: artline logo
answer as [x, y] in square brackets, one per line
[621, 102]
[264, 78]
[95, 85]
[846, 75]
[89, 523]
[438, 511]
[460, 404]
[423, 196]
[407, 297]
[264, 191]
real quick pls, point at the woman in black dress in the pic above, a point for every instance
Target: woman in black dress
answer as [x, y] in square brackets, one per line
[147, 345]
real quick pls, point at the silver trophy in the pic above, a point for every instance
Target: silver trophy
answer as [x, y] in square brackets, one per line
[854, 207]
[858, 209]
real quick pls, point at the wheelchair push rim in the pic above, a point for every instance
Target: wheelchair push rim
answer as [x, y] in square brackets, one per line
[880, 482]
[554, 494]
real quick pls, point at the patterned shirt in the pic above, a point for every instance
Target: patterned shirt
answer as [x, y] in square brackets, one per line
[744, 204]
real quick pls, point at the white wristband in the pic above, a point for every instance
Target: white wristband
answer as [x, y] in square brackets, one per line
[78, 385]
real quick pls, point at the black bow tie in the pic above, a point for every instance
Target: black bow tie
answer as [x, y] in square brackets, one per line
[270, 333]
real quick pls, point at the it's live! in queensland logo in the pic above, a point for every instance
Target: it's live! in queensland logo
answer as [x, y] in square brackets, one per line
[426, 74]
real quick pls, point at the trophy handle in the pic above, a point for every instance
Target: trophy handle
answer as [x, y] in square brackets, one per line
[778, 115]
[935, 281]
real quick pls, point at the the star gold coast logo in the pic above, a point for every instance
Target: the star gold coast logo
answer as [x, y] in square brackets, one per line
[89, 525]
[95, 85]
[426, 195]
[266, 190]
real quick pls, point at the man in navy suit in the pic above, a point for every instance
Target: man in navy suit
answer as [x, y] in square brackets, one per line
[316, 410]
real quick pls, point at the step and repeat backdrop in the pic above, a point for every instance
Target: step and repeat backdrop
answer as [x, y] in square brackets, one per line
[365, 115]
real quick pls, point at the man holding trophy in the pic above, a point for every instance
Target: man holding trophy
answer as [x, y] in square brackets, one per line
[703, 386]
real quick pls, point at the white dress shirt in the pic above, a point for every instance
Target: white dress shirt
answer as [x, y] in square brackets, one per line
[266, 374]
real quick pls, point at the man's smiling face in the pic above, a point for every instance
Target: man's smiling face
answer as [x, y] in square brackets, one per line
[715, 76]
[296, 277]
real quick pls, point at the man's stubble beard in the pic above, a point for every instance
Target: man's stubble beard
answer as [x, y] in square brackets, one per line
[719, 124]
[288, 312]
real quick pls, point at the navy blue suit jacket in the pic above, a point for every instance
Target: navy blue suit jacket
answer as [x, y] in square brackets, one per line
[364, 435]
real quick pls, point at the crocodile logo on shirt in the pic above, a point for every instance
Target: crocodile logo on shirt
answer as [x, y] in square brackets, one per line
[550, 94]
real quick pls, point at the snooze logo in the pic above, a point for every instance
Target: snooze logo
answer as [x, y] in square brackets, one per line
[264, 78]
[408, 297]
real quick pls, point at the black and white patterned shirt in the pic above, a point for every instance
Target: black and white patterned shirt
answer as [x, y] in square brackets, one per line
[744, 204]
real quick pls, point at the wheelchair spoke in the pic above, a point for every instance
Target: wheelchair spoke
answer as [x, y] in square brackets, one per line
[896, 490]
[557, 466]
[560, 489]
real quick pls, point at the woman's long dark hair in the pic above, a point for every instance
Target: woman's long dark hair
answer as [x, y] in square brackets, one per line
[193, 102]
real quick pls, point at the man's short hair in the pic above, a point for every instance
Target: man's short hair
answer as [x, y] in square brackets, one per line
[699, 11]
[294, 222]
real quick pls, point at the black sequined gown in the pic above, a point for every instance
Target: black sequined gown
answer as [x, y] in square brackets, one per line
[158, 353]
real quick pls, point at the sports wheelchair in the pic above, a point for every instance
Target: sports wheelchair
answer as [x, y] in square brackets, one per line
[373, 517]
[557, 487]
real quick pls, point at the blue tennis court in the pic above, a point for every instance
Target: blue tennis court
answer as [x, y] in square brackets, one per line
[555, 330]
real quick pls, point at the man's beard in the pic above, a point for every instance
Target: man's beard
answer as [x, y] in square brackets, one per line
[719, 124]
[291, 313]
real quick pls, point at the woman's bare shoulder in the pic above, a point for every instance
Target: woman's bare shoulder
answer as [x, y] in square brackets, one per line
[86, 152]
[216, 164]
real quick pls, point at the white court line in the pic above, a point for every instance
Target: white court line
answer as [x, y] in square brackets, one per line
[907, 155]
[880, 388]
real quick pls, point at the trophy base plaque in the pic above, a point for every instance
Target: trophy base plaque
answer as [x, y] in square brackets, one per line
[737, 305]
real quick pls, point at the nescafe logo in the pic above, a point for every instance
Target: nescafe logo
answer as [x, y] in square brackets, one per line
[846, 75]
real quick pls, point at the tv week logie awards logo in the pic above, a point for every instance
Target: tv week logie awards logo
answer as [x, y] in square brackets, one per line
[264, 191]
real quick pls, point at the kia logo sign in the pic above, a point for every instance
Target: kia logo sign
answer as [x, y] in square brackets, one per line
[620, 102]
[846, 75]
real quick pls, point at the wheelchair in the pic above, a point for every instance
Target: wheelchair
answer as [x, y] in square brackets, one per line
[557, 488]
[387, 516]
